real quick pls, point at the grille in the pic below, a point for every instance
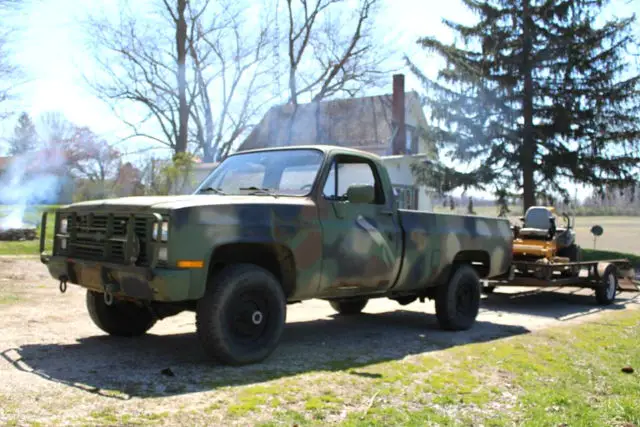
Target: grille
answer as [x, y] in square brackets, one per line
[102, 237]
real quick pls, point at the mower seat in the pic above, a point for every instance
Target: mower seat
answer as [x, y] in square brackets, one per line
[538, 224]
[535, 233]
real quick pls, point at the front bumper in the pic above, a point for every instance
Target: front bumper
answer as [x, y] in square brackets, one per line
[123, 281]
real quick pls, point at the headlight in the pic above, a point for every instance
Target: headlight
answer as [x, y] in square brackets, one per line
[164, 233]
[63, 225]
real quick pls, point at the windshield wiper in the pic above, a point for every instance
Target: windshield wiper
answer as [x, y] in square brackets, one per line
[256, 190]
[215, 190]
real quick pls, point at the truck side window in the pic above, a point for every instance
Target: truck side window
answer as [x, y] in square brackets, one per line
[348, 173]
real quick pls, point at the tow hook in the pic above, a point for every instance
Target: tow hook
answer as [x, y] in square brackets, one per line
[108, 297]
[63, 284]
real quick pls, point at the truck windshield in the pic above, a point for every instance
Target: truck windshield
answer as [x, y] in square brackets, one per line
[282, 172]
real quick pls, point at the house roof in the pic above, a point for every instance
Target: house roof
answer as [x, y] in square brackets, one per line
[4, 162]
[326, 149]
[363, 123]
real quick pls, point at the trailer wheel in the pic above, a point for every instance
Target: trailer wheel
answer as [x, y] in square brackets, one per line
[606, 293]
[458, 301]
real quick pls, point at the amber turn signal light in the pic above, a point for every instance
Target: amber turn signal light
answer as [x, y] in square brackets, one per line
[190, 264]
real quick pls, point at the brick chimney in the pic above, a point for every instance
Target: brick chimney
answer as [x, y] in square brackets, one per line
[397, 114]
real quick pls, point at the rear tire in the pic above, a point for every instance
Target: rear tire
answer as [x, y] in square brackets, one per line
[349, 307]
[458, 301]
[241, 317]
[606, 293]
[488, 290]
[121, 318]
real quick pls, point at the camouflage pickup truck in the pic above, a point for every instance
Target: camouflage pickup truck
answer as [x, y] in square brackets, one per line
[265, 229]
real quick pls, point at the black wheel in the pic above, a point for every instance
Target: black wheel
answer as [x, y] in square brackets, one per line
[574, 253]
[241, 317]
[458, 302]
[488, 290]
[606, 293]
[121, 318]
[349, 307]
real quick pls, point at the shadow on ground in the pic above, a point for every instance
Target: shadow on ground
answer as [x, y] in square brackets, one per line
[553, 303]
[122, 368]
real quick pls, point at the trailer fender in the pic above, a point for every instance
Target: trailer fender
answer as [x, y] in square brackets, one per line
[601, 267]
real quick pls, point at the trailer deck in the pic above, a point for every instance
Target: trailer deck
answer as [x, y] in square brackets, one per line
[605, 277]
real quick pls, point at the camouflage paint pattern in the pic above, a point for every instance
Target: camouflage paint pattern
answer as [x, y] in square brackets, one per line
[337, 248]
[433, 241]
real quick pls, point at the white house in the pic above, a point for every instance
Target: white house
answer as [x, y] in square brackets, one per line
[392, 126]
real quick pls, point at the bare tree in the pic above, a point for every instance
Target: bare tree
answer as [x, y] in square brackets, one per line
[233, 67]
[142, 62]
[327, 55]
[199, 83]
[10, 74]
[53, 126]
[90, 157]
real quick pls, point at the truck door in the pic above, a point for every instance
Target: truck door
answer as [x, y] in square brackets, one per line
[362, 241]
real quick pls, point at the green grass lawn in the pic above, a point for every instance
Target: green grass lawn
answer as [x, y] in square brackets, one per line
[594, 255]
[561, 376]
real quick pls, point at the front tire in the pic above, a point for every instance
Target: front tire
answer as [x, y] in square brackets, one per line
[458, 302]
[121, 318]
[349, 307]
[241, 317]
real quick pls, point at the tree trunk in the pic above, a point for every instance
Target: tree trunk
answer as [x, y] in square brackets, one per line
[528, 144]
[293, 91]
[183, 113]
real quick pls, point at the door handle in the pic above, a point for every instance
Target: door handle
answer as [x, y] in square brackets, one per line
[386, 212]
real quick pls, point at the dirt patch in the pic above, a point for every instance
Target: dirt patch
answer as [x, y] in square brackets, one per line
[56, 366]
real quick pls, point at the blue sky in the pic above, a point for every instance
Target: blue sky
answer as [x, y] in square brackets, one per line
[51, 48]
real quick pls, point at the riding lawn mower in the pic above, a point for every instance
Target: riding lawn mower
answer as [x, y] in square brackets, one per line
[541, 241]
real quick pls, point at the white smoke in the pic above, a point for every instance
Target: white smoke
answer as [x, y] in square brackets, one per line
[30, 179]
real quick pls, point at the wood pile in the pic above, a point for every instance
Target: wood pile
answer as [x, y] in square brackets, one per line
[17, 234]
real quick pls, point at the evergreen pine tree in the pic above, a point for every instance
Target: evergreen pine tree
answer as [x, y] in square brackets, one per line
[24, 136]
[536, 93]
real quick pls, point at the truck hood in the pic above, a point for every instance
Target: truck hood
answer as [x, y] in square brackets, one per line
[184, 201]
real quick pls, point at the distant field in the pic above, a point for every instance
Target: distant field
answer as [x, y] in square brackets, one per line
[621, 233]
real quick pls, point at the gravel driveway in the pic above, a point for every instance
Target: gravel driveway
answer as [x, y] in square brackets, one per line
[56, 366]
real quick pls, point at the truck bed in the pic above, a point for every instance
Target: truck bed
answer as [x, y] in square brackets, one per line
[433, 241]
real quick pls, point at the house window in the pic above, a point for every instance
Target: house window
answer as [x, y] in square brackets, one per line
[406, 197]
[411, 140]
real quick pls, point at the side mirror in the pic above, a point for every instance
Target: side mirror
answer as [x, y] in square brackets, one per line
[361, 194]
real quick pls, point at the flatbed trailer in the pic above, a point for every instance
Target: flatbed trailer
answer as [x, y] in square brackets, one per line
[605, 277]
